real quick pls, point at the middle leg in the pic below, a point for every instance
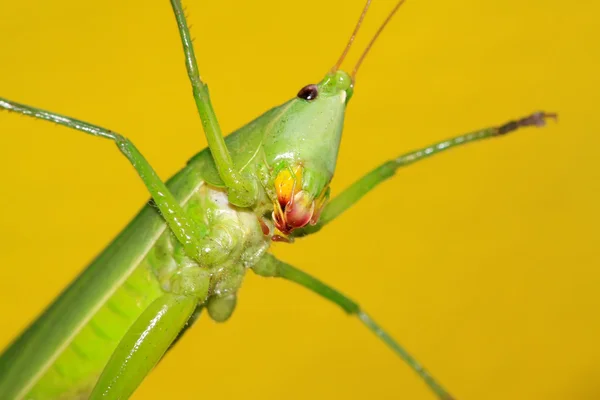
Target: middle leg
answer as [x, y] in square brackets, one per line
[269, 266]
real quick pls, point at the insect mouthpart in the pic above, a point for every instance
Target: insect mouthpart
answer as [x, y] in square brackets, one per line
[295, 207]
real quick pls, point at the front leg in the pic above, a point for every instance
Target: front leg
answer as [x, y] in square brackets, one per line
[242, 189]
[199, 241]
[368, 182]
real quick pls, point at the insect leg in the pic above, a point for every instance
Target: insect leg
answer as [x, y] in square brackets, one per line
[243, 189]
[143, 346]
[269, 266]
[373, 178]
[191, 235]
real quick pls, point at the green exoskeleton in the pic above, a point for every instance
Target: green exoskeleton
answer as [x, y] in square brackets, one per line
[190, 247]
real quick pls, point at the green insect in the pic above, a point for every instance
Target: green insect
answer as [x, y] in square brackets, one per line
[190, 247]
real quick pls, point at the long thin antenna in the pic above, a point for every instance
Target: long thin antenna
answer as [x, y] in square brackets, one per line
[364, 54]
[347, 49]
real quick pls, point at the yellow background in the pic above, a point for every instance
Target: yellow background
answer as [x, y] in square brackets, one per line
[483, 261]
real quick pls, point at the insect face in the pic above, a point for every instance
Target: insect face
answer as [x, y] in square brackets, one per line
[302, 146]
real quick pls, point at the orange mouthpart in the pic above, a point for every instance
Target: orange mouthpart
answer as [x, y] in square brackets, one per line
[294, 208]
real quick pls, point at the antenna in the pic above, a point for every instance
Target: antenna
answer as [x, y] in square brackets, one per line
[364, 54]
[347, 49]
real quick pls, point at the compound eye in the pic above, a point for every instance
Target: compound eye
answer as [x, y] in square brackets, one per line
[308, 92]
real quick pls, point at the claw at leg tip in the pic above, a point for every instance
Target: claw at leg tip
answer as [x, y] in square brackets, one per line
[539, 118]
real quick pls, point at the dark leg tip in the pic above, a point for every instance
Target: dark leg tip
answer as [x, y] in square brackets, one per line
[536, 119]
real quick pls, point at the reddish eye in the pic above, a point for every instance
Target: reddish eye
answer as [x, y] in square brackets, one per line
[308, 92]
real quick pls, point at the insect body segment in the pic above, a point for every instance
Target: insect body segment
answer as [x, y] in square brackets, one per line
[237, 232]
